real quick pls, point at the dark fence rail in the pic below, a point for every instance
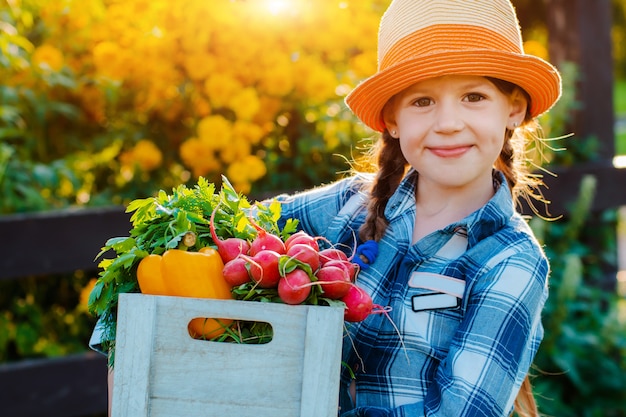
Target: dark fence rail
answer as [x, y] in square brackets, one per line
[70, 386]
[66, 240]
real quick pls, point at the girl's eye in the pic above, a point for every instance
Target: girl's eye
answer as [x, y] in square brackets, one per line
[423, 102]
[473, 97]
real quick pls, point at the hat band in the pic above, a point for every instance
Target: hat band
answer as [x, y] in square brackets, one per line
[439, 38]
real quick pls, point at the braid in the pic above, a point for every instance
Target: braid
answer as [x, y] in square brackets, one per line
[506, 163]
[392, 167]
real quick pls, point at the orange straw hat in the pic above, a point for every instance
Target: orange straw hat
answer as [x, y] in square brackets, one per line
[421, 39]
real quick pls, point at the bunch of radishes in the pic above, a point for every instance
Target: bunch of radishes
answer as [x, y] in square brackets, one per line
[296, 268]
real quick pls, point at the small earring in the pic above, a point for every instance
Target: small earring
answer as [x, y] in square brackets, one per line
[515, 124]
[394, 133]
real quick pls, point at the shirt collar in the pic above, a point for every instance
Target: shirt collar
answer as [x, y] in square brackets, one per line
[480, 224]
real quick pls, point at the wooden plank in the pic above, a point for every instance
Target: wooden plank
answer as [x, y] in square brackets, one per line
[74, 385]
[65, 240]
[320, 383]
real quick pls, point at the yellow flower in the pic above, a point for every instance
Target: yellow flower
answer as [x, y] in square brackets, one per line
[316, 81]
[245, 103]
[198, 155]
[110, 60]
[216, 131]
[256, 167]
[48, 57]
[364, 64]
[200, 105]
[271, 107]
[238, 149]
[532, 47]
[85, 292]
[245, 170]
[198, 65]
[220, 87]
[250, 132]
[278, 77]
[147, 155]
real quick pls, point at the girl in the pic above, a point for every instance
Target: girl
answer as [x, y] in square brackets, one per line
[455, 99]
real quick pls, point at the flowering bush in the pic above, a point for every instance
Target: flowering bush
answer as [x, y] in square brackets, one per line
[116, 99]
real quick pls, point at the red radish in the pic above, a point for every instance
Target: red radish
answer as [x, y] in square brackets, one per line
[294, 287]
[265, 241]
[264, 268]
[306, 254]
[229, 248]
[301, 238]
[335, 281]
[235, 272]
[347, 266]
[358, 304]
[332, 254]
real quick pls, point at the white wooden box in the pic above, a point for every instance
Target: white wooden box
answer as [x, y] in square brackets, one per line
[161, 371]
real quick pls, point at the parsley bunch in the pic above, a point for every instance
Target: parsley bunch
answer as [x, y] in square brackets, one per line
[160, 223]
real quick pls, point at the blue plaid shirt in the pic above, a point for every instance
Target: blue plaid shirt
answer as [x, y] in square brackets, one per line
[465, 303]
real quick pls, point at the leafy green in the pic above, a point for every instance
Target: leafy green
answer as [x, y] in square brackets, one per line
[159, 223]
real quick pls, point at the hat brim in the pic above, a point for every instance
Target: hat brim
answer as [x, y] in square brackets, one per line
[537, 77]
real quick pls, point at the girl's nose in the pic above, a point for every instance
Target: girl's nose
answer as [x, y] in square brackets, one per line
[448, 118]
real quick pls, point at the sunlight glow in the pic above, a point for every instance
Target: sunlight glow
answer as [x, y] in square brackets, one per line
[277, 6]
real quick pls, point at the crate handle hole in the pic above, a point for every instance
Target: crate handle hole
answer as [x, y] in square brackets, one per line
[212, 329]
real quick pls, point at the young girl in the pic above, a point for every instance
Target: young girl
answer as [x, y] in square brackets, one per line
[461, 276]
[440, 242]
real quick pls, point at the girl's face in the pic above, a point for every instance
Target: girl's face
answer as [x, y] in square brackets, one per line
[452, 128]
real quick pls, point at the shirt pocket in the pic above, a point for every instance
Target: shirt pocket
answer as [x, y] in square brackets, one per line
[432, 312]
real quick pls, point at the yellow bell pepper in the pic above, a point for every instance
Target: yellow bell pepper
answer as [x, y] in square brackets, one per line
[187, 274]
[149, 276]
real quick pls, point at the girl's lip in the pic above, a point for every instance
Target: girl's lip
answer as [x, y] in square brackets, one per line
[450, 152]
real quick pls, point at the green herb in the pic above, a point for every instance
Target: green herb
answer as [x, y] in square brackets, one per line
[160, 223]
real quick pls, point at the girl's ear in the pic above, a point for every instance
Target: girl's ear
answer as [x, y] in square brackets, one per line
[389, 118]
[519, 106]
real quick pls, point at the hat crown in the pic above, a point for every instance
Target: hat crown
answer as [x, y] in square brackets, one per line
[403, 18]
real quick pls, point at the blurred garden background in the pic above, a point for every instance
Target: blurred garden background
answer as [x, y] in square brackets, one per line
[106, 101]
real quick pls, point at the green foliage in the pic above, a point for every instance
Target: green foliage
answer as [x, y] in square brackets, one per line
[36, 322]
[620, 112]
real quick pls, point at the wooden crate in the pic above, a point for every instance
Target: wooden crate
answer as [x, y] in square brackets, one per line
[161, 371]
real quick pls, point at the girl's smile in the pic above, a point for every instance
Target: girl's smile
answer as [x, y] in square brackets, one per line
[450, 152]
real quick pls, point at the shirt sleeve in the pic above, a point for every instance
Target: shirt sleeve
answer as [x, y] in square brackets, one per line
[317, 208]
[495, 344]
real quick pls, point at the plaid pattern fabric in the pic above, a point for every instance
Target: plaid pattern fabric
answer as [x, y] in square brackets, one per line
[462, 359]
